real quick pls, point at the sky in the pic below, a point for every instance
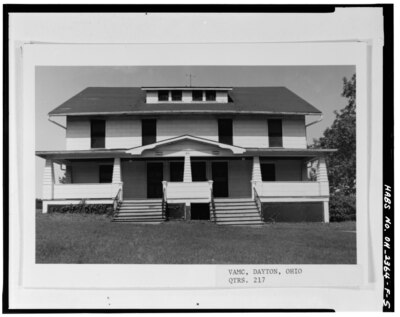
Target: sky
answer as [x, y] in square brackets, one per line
[319, 85]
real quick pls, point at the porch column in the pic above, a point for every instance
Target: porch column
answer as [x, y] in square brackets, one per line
[256, 178]
[48, 182]
[322, 178]
[116, 176]
[187, 169]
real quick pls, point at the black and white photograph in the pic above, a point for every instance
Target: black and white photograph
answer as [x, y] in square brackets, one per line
[196, 165]
[197, 160]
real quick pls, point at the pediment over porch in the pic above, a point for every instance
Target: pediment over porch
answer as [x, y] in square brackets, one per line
[179, 146]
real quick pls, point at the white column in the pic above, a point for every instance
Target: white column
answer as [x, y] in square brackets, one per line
[322, 177]
[326, 211]
[116, 176]
[48, 182]
[256, 179]
[187, 169]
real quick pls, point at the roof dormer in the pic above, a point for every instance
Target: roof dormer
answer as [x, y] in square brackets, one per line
[187, 95]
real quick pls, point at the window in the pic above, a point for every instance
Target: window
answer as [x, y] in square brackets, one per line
[211, 95]
[225, 131]
[149, 131]
[176, 95]
[163, 95]
[268, 172]
[197, 95]
[97, 133]
[275, 132]
[105, 173]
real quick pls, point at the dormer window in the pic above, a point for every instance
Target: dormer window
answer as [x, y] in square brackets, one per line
[163, 95]
[176, 95]
[211, 95]
[197, 95]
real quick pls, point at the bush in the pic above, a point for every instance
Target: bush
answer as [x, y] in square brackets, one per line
[342, 207]
[97, 209]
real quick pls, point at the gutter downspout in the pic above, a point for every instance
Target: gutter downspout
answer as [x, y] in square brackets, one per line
[56, 123]
[314, 122]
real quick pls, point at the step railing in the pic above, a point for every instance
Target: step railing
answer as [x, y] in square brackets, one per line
[212, 204]
[257, 200]
[117, 200]
[164, 204]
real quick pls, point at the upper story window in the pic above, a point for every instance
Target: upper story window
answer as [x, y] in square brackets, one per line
[163, 95]
[176, 95]
[97, 133]
[197, 95]
[149, 131]
[275, 132]
[211, 95]
[225, 134]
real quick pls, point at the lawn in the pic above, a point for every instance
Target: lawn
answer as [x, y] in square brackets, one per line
[74, 238]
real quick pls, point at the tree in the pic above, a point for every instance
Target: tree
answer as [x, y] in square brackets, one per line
[342, 136]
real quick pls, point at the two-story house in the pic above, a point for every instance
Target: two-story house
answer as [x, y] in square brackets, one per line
[234, 155]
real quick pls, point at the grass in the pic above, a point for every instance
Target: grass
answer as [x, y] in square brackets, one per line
[76, 238]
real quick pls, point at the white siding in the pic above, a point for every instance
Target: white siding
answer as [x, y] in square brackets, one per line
[239, 177]
[123, 133]
[195, 190]
[250, 132]
[294, 132]
[68, 191]
[134, 177]
[202, 127]
[222, 96]
[151, 96]
[78, 134]
[282, 189]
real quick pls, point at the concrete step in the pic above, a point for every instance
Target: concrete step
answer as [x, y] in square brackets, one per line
[240, 223]
[143, 201]
[140, 208]
[151, 222]
[244, 204]
[234, 207]
[252, 215]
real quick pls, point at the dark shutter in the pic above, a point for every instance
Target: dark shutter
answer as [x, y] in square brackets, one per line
[225, 131]
[268, 172]
[97, 133]
[275, 132]
[105, 173]
[149, 131]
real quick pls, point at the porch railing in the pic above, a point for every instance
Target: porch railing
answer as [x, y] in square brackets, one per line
[292, 188]
[117, 200]
[258, 203]
[187, 191]
[212, 206]
[87, 191]
[164, 204]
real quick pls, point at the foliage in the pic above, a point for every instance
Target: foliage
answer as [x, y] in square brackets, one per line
[342, 207]
[97, 209]
[342, 164]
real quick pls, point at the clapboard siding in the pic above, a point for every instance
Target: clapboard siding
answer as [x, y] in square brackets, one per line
[294, 132]
[123, 133]
[134, 177]
[239, 177]
[78, 134]
[201, 127]
[250, 132]
[282, 189]
[195, 190]
[70, 191]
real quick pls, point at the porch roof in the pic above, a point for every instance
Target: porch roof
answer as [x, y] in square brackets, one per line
[132, 101]
[123, 153]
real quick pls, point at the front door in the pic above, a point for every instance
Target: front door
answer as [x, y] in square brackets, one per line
[220, 178]
[154, 180]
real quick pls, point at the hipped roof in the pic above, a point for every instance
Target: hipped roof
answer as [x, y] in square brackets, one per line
[132, 101]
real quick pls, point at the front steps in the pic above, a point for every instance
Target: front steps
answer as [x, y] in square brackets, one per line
[146, 211]
[237, 212]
